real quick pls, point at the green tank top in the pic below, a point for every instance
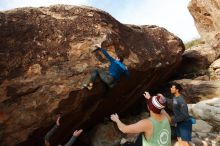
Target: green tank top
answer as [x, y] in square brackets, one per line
[161, 135]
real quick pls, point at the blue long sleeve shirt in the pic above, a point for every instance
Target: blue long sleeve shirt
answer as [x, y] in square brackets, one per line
[116, 68]
[180, 109]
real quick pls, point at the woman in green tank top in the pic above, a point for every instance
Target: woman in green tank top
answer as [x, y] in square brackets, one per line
[156, 129]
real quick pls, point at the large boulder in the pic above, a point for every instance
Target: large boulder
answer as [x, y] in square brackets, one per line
[196, 60]
[208, 110]
[202, 126]
[206, 14]
[206, 130]
[45, 55]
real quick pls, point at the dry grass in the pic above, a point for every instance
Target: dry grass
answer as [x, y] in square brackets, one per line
[193, 43]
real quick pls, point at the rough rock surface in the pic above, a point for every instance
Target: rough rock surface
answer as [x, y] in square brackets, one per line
[45, 55]
[199, 89]
[206, 131]
[105, 134]
[206, 14]
[197, 59]
[208, 110]
[202, 126]
[214, 70]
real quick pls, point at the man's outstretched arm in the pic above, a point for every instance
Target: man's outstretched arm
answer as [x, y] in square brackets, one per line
[73, 138]
[52, 131]
[137, 127]
[98, 47]
[106, 54]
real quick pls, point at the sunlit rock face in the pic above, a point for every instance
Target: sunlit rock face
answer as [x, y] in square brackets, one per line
[206, 14]
[202, 89]
[46, 54]
[214, 70]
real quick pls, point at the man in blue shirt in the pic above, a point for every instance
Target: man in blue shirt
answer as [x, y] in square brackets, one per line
[116, 69]
[181, 116]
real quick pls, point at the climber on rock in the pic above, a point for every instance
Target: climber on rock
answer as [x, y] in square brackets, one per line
[110, 77]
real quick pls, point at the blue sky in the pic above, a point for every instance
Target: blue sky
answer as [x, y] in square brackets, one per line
[170, 14]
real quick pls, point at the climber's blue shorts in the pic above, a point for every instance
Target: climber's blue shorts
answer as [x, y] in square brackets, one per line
[184, 130]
